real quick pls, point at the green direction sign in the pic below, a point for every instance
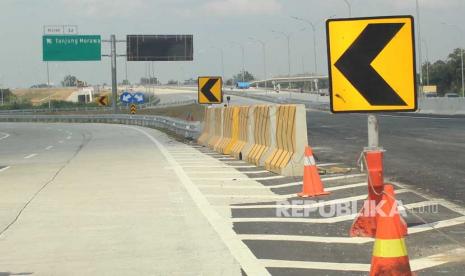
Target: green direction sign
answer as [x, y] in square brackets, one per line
[72, 47]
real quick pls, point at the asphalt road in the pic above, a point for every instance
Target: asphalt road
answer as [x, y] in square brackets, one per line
[423, 151]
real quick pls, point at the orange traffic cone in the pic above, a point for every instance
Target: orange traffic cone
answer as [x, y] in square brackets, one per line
[312, 185]
[390, 256]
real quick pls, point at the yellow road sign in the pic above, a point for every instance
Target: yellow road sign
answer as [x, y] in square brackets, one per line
[372, 64]
[103, 100]
[210, 90]
[133, 109]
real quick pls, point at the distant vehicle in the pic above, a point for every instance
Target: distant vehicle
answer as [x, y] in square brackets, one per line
[242, 85]
[431, 95]
[451, 95]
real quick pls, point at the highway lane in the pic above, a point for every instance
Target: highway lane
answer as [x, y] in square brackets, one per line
[425, 151]
[99, 199]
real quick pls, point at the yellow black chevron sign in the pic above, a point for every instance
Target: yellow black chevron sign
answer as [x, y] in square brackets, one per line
[372, 64]
[210, 90]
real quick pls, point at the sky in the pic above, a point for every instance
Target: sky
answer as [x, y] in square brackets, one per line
[215, 24]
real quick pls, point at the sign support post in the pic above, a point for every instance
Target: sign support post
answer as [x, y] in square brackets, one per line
[371, 69]
[373, 133]
[114, 83]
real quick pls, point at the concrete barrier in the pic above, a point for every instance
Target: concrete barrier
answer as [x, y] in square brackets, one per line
[291, 139]
[243, 132]
[217, 127]
[442, 106]
[206, 127]
[272, 136]
[234, 131]
[227, 125]
[262, 134]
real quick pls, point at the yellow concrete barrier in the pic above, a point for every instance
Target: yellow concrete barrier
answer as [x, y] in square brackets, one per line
[207, 127]
[227, 130]
[262, 135]
[271, 136]
[234, 127]
[291, 139]
[242, 135]
[217, 127]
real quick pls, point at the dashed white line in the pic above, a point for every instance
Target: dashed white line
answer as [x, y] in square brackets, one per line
[49, 148]
[61, 141]
[4, 136]
[30, 156]
[69, 137]
[4, 169]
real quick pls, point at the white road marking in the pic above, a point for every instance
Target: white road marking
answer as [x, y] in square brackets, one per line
[323, 179]
[416, 264]
[215, 167]
[49, 148]
[313, 205]
[327, 164]
[238, 249]
[320, 220]
[239, 187]
[342, 187]
[227, 172]
[319, 239]
[436, 225]
[4, 135]
[61, 141]
[4, 169]
[69, 137]
[420, 117]
[238, 178]
[30, 156]
[316, 265]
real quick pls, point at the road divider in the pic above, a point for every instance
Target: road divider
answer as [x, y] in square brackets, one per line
[270, 136]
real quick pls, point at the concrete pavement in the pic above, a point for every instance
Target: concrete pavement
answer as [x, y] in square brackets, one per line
[103, 202]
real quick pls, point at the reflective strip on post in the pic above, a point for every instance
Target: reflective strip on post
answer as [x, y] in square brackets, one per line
[309, 161]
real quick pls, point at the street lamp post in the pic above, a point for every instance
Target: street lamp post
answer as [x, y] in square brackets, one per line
[222, 59]
[264, 59]
[314, 39]
[420, 57]
[243, 58]
[288, 37]
[349, 7]
[427, 62]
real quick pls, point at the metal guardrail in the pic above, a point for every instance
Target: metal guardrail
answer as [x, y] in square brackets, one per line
[180, 127]
[76, 109]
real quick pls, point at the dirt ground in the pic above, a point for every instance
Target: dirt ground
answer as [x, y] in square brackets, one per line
[39, 95]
